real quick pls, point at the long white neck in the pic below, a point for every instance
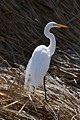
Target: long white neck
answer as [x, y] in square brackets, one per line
[49, 35]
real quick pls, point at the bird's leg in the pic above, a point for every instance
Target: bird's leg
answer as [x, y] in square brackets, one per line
[33, 90]
[45, 97]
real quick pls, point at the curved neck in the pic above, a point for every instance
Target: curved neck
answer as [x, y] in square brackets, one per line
[49, 35]
[52, 45]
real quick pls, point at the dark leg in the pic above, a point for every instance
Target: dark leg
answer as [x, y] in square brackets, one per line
[45, 97]
[33, 90]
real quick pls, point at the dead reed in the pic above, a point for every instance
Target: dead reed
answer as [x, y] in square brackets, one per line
[21, 30]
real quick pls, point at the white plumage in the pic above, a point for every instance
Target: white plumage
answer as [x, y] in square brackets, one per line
[40, 60]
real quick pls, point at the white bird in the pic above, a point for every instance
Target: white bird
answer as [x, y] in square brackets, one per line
[40, 60]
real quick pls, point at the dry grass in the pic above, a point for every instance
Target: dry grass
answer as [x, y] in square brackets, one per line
[21, 30]
[63, 103]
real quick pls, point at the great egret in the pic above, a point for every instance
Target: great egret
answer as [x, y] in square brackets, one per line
[40, 60]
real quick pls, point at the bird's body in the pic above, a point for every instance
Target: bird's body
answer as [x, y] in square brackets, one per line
[40, 60]
[38, 66]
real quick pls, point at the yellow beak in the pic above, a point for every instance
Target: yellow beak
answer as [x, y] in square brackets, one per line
[60, 25]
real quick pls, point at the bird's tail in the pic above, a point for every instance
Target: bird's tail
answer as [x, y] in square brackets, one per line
[28, 83]
[27, 75]
[26, 79]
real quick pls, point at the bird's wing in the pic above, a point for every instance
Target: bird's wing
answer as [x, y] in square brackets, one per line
[39, 65]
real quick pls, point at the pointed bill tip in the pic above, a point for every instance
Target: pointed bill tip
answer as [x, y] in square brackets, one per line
[61, 26]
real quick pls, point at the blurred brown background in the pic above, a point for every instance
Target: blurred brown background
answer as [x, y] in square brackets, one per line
[22, 24]
[21, 30]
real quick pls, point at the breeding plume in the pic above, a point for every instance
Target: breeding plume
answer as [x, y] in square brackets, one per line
[40, 60]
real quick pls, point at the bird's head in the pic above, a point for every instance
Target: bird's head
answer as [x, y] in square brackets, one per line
[54, 24]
